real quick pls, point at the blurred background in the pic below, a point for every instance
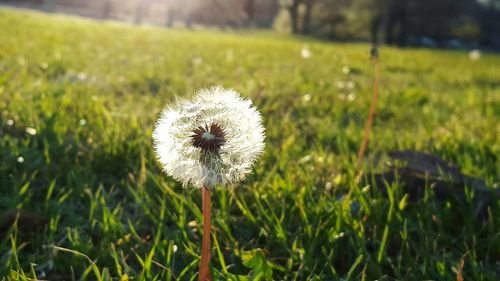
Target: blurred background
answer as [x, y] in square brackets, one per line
[457, 24]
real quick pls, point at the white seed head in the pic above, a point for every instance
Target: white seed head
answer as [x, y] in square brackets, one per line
[475, 55]
[305, 52]
[210, 139]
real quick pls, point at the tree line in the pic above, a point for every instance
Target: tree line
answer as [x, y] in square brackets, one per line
[394, 22]
[397, 22]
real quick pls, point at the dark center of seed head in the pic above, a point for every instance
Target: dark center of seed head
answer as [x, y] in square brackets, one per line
[209, 138]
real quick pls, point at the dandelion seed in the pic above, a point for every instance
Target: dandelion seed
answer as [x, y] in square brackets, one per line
[31, 131]
[82, 76]
[44, 65]
[351, 97]
[328, 186]
[305, 159]
[341, 84]
[351, 85]
[305, 53]
[306, 98]
[211, 139]
[346, 69]
[197, 60]
[475, 55]
[10, 122]
[20, 159]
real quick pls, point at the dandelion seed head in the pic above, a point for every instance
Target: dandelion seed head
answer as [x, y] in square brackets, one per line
[475, 55]
[20, 159]
[10, 122]
[305, 53]
[210, 139]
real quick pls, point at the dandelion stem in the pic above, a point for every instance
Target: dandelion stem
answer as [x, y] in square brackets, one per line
[369, 121]
[204, 274]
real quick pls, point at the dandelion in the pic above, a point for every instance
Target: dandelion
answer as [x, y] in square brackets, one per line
[211, 139]
[305, 53]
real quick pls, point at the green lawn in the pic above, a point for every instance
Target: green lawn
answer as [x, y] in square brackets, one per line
[93, 90]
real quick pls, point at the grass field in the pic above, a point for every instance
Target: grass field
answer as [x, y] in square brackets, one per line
[78, 101]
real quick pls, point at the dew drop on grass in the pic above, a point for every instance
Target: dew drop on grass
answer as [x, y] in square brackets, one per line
[20, 159]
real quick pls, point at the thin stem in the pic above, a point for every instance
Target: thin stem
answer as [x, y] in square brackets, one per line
[369, 121]
[204, 274]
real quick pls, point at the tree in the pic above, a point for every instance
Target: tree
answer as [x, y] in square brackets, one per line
[293, 11]
[309, 4]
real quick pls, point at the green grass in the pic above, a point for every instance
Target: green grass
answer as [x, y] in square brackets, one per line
[93, 90]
